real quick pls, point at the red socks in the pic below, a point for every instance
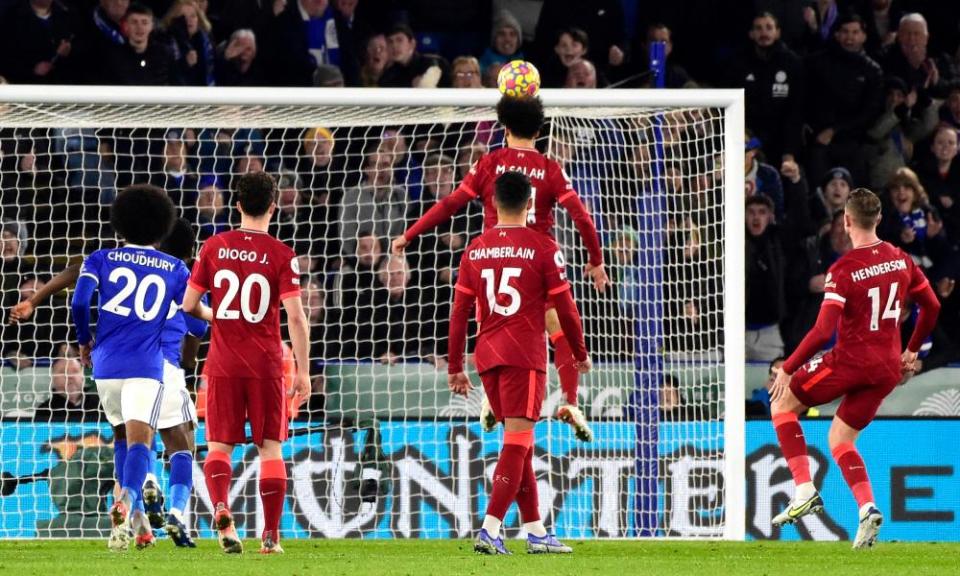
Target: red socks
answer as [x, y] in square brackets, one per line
[566, 367]
[793, 445]
[508, 475]
[527, 499]
[273, 491]
[218, 472]
[854, 472]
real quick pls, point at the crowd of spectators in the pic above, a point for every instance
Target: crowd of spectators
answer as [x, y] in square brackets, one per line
[840, 94]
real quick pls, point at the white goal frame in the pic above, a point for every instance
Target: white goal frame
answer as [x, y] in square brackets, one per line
[730, 101]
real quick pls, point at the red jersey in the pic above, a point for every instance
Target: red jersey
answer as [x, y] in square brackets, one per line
[870, 285]
[248, 274]
[511, 271]
[550, 186]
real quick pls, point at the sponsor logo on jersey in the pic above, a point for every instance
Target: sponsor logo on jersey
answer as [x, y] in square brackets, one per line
[828, 281]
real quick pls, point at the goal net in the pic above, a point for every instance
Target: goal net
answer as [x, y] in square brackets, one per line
[382, 449]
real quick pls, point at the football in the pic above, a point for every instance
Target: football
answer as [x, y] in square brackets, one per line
[518, 78]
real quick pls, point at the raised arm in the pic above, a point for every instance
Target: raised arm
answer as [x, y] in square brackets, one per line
[438, 214]
[24, 309]
[588, 235]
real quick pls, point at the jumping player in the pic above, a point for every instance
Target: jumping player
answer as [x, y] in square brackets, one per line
[865, 290]
[138, 286]
[512, 271]
[522, 119]
[249, 274]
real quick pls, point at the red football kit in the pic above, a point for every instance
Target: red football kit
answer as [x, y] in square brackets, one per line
[511, 271]
[550, 186]
[248, 273]
[865, 290]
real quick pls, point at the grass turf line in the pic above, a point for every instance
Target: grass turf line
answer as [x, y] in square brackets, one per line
[443, 557]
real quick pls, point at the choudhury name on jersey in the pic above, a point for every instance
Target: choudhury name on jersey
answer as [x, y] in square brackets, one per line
[140, 259]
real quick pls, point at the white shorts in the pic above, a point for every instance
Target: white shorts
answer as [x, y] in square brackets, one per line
[146, 400]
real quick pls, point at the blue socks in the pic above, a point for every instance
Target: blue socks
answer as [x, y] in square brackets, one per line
[152, 465]
[135, 471]
[181, 481]
[119, 459]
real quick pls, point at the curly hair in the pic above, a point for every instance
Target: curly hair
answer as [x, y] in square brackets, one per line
[522, 116]
[142, 214]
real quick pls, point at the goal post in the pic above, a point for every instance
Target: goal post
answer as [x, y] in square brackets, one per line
[660, 171]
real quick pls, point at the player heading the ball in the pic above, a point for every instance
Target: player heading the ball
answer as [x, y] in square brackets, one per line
[522, 119]
[511, 271]
[864, 292]
[249, 274]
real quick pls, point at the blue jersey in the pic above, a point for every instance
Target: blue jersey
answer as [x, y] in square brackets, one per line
[178, 325]
[136, 288]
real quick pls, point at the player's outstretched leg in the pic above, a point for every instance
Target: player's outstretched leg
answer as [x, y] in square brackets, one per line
[569, 376]
[848, 459]
[273, 491]
[806, 499]
[507, 477]
[855, 473]
[181, 484]
[538, 540]
[217, 472]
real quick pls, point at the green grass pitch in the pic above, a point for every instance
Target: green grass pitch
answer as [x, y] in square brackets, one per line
[446, 557]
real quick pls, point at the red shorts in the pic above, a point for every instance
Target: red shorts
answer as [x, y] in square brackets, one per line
[515, 392]
[824, 380]
[231, 402]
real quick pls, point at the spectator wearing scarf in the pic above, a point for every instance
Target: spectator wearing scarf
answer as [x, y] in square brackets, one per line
[304, 36]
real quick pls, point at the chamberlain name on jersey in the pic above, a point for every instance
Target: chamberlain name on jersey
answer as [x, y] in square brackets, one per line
[503, 252]
[137, 286]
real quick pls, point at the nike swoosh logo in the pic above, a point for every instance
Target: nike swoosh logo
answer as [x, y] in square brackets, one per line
[218, 475]
[855, 468]
[798, 436]
[268, 493]
[795, 512]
